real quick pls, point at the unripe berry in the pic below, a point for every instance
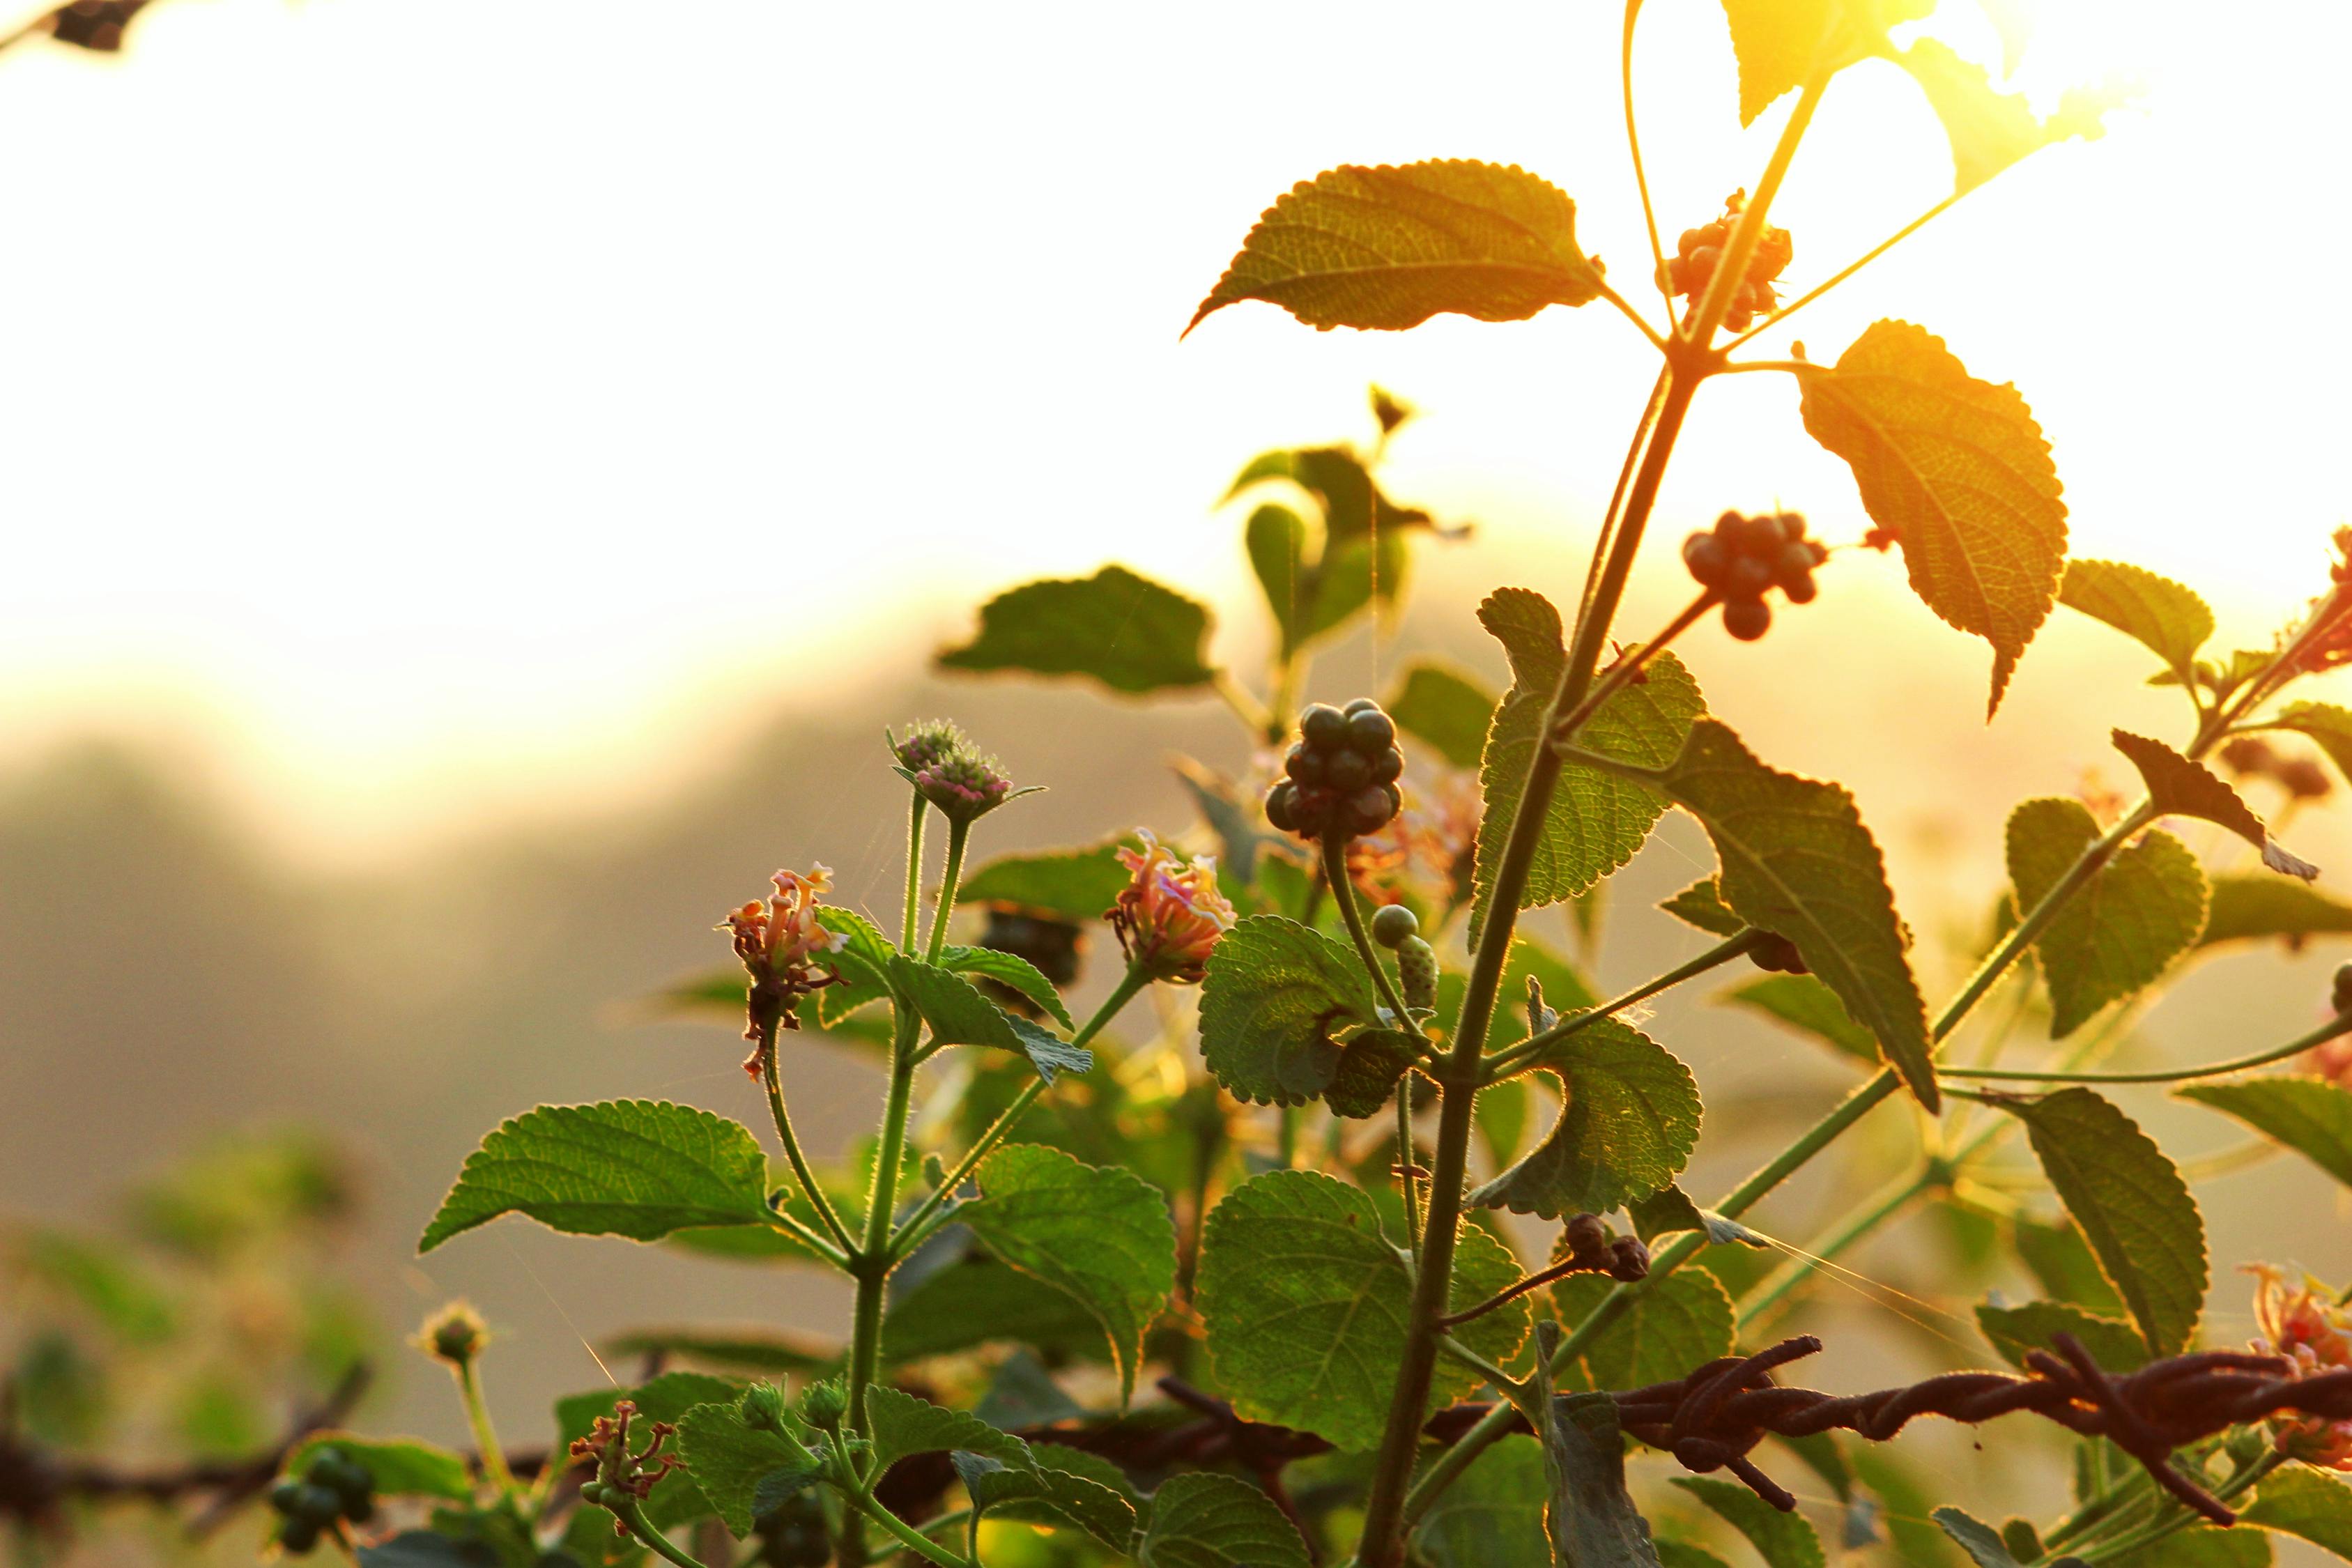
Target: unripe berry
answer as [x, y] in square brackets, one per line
[1370, 732]
[1417, 970]
[1746, 620]
[316, 1504]
[1391, 923]
[285, 1494]
[1323, 727]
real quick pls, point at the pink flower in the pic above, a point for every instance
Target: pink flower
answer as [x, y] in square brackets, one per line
[2306, 1326]
[1170, 916]
[780, 942]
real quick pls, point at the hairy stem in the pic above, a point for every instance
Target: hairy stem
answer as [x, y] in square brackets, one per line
[772, 1080]
[1503, 1064]
[870, 1262]
[909, 922]
[959, 835]
[2334, 1027]
[627, 1509]
[1343, 888]
[478, 1420]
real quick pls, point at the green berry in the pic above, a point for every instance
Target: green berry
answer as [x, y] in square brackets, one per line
[1417, 968]
[1392, 923]
[318, 1504]
[284, 1495]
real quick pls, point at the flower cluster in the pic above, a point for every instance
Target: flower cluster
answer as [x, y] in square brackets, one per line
[780, 942]
[2305, 1325]
[1170, 914]
[938, 759]
[620, 1474]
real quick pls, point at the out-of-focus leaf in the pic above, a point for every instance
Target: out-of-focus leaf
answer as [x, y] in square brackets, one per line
[1592, 1522]
[1492, 1514]
[2013, 1331]
[747, 1349]
[1677, 1322]
[1444, 709]
[2123, 928]
[2255, 908]
[397, 1466]
[2164, 617]
[1073, 885]
[2298, 1500]
[980, 1301]
[1389, 247]
[1129, 632]
[1980, 1540]
[1783, 1539]
[2324, 722]
[2309, 1115]
[1202, 1519]
[1810, 1007]
[1956, 470]
[1990, 130]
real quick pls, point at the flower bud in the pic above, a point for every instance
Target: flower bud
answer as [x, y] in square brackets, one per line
[938, 760]
[822, 1404]
[762, 1405]
[454, 1336]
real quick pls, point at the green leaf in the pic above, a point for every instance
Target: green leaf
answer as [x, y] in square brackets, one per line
[1629, 1120]
[1492, 1514]
[426, 1549]
[1810, 1007]
[1371, 1066]
[2309, 1115]
[1103, 1236]
[103, 1286]
[2298, 1500]
[1202, 1519]
[2323, 722]
[2200, 1546]
[1990, 130]
[1351, 500]
[2161, 614]
[2255, 908]
[1596, 819]
[1276, 538]
[1683, 1554]
[1592, 1522]
[1360, 549]
[1671, 1209]
[397, 1466]
[1797, 860]
[1127, 632]
[2061, 1259]
[1389, 247]
[1784, 1540]
[741, 1469]
[1014, 972]
[1444, 710]
[980, 1301]
[959, 1016]
[1957, 470]
[1980, 1540]
[1047, 1496]
[1701, 904]
[2131, 1206]
[1073, 885]
[2121, 927]
[1305, 1302]
[638, 1168]
[903, 1425]
[2013, 1331]
[1232, 815]
[1274, 992]
[744, 1349]
[2181, 786]
[1677, 1322]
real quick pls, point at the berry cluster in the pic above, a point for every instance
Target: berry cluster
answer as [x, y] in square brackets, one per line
[1399, 929]
[1743, 557]
[1692, 267]
[1343, 773]
[2302, 778]
[331, 1487]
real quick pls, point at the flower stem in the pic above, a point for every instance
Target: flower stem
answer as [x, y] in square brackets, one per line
[2334, 1027]
[1517, 1059]
[477, 1418]
[915, 1540]
[772, 1080]
[909, 922]
[870, 1261]
[627, 1510]
[1343, 888]
[959, 835]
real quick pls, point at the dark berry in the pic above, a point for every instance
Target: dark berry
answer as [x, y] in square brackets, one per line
[1392, 923]
[1675, 274]
[1747, 578]
[1728, 527]
[1795, 562]
[2343, 997]
[1312, 813]
[298, 1536]
[1705, 555]
[284, 1496]
[1703, 260]
[1371, 808]
[1746, 620]
[1347, 772]
[1691, 240]
[318, 1504]
[1304, 764]
[2302, 778]
[1762, 535]
[1799, 590]
[1370, 732]
[1281, 806]
[331, 1469]
[1792, 526]
[361, 1509]
[1324, 726]
[1361, 705]
[1388, 766]
[1396, 798]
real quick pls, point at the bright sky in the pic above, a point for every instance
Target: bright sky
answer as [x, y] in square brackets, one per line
[407, 394]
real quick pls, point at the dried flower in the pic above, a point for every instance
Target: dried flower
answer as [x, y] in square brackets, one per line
[455, 1335]
[1171, 915]
[938, 759]
[618, 1469]
[780, 941]
[2305, 1325]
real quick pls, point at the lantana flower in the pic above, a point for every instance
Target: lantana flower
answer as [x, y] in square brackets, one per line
[2305, 1325]
[938, 759]
[1171, 915]
[782, 943]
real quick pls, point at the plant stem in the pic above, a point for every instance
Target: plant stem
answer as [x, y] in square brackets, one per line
[871, 1261]
[2181, 1519]
[772, 1080]
[1633, 316]
[917, 1229]
[1406, 1162]
[959, 835]
[2341, 1025]
[909, 923]
[628, 1512]
[1633, 147]
[1503, 1064]
[477, 1419]
[1628, 669]
[1343, 890]
[1897, 1198]
[915, 1540]
[1873, 254]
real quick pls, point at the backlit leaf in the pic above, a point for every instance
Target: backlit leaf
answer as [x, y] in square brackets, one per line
[1959, 472]
[1442, 709]
[1276, 538]
[1202, 1519]
[1990, 130]
[1492, 1514]
[2309, 1504]
[1275, 991]
[1810, 1007]
[1371, 1066]
[735, 1464]
[664, 1398]
[1629, 1120]
[959, 1016]
[1040, 1494]
[1980, 1540]
[2181, 786]
[1305, 1302]
[1012, 971]
[2257, 906]
[904, 1425]
[1701, 904]
[2122, 927]
[1784, 1540]
[1073, 885]
[2324, 722]
[1595, 820]
[2199, 1546]
[1103, 1236]
[1796, 859]
[1674, 1322]
[638, 1168]
[1389, 247]
[980, 1301]
[1126, 631]
[2013, 1331]
[2161, 614]
[1592, 1522]
[2309, 1115]
[397, 1466]
[2131, 1206]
